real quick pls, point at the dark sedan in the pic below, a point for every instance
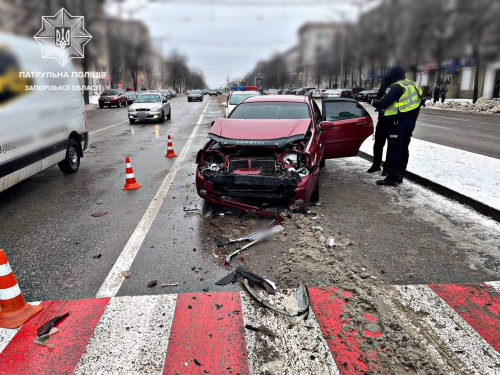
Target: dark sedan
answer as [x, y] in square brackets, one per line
[195, 95]
[362, 96]
[372, 94]
[130, 95]
[346, 93]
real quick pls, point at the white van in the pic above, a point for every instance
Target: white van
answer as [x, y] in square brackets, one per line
[38, 128]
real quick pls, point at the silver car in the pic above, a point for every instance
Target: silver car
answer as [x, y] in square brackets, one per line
[149, 106]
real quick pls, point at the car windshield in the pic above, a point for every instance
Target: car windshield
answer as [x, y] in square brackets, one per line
[271, 110]
[237, 98]
[194, 92]
[148, 98]
[110, 92]
[344, 110]
[130, 93]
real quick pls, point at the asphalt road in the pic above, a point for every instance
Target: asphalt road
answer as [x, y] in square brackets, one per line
[59, 251]
[474, 132]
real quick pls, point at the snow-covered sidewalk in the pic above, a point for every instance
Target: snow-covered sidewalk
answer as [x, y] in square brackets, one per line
[472, 175]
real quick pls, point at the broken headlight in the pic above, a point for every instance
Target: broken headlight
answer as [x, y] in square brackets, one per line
[213, 161]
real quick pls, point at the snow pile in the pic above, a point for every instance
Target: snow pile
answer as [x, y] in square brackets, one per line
[483, 105]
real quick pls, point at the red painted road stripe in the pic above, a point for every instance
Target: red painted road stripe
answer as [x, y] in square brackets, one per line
[478, 304]
[344, 338]
[214, 337]
[23, 356]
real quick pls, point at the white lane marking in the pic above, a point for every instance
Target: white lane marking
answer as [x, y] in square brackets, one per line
[8, 334]
[450, 331]
[114, 279]
[296, 346]
[131, 337]
[109, 127]
[433, 126]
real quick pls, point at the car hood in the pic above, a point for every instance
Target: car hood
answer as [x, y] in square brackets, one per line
[200, 94]
[277, 133]
[146, 105]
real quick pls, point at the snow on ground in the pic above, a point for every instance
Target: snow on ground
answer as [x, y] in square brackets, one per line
[473, 175]
[483, 105]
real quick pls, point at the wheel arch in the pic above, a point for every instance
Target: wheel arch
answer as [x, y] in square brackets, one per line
[76, 137]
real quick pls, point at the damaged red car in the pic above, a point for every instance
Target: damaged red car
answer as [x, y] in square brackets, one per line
[272, 148]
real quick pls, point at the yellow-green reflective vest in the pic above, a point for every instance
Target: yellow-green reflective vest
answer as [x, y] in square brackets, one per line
[408, 101]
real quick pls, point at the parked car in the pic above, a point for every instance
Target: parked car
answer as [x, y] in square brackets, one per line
[318, 93]
[219, 91]
[270, 148]
[333, 93]
[130, 95]
[304, 90]
[355, 90]
[235, 97]
[362, 96]
[273, 92]
[345, 93]
[205, 91]
[282, 91]
[290, 91]
[309, 92]
[174, 93]
[149, 106]
[38, 129]
[195, 95]
[167, 93]
[212, 92]
[372, 94]
[112, 97]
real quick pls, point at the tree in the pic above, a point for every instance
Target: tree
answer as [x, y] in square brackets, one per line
[177, 70]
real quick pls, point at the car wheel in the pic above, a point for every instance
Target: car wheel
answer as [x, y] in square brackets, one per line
[169, 116]
[131, 120]
[71, 162]
[315, 194]
[162, 117]
[189, 100]
[322, 163]
[119, 105]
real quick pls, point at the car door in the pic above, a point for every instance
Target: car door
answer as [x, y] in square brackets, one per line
[345, 126]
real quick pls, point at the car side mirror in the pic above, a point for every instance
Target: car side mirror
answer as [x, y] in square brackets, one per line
[164, 100]
[223, 105]
[326, 125]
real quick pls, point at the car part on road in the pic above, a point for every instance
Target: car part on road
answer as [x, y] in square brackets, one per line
[99, 214]
[130, 182]
[164, 285]
[262, 236]
[45, 328]
[170, 149]
[330, 242]
[219, 242]
[302, 300]
[152, 283]
[257, 234]
[126, 274]
[234, 276]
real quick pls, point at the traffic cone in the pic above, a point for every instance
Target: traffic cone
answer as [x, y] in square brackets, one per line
[14, 310]
[170, 149]
[130, 182]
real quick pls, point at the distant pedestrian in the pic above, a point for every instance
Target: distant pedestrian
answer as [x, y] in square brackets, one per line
[402, 105]
[436, 94]
[444, 90]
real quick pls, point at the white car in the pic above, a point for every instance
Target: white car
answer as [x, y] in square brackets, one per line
[38, 127]
[235, 97]
[273, 92]
[149, 106]
[331, 93]
[318, 94]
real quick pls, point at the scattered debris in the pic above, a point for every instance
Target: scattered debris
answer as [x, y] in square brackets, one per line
[164, 285]
[99, 214]
[288, 269]
[241, 258]
[196, 362]
[302, 300]
[269, 286]
[260, 236]
[251, 328]
[271, 367]
[99, 202]
[219, 242]
[205, 290]
[152, 283]
[97, 256]
[42, 340]
[317, 228]
[45, 328]
[253, 236]
[126, 274]
[218, 306]
[195, 210]
[330, 242]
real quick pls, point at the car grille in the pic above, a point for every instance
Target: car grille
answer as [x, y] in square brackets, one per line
[142, 109]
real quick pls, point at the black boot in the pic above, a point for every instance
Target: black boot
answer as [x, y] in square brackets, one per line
[373, 169]
[387, 182]
[399, 180]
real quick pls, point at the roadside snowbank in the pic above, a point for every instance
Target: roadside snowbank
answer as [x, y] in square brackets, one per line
[473, 175]
[483, 105]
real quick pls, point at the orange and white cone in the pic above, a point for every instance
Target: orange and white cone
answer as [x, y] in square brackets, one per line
[170, 149]
[130, 182]
[14, 310]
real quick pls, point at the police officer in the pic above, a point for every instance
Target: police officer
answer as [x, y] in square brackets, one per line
[402, 105]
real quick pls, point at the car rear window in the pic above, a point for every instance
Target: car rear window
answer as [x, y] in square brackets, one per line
[271, 110]
[340, 110]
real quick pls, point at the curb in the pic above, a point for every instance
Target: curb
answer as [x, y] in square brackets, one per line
[447, 192]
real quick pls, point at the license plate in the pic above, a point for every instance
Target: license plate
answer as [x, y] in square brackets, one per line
[107, 102]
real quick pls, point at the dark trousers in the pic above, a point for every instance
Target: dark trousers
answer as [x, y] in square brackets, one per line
[400, 133]
[381, 134]
[443, 98]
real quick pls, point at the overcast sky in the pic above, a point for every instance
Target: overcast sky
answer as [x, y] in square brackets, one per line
[225, 37]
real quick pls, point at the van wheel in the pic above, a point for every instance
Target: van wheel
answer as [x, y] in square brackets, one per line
[71, 162]
[315, 194]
